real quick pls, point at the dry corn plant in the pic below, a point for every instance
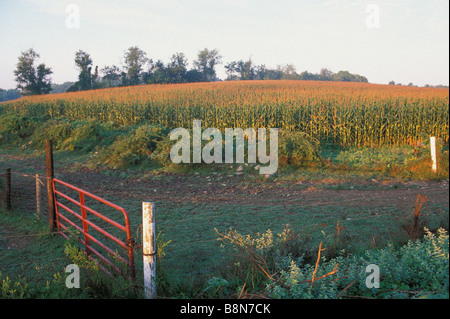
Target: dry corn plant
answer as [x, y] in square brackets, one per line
[415, 228]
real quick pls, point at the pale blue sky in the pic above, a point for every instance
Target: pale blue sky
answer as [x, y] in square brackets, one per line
[410, 45]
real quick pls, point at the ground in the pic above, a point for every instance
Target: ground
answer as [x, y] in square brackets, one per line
[190, 205]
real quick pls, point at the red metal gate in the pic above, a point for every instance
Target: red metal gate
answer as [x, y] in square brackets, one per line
[67, 217]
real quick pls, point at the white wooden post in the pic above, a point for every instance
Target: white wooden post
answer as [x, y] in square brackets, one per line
[149, 251]
[433, 153]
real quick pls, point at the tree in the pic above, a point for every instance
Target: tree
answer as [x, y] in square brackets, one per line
[206, 63]
[158, 73]
[111, 76]
[271, 74]
[86, 79]
[135, 60]
[326, 75]
[32, 80]
[7, 95]
[289, 72]
[307, 76]
[193, 76]
[241, 70]
[178, 68]
[61, 88]
[345, 76]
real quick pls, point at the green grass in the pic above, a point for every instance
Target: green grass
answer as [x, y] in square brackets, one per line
[194, 255]
[28, 250]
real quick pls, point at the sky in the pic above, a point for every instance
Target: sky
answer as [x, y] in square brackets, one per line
[400, 40]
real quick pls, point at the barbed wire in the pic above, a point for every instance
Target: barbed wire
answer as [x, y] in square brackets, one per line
[36, 177]
[9, 236]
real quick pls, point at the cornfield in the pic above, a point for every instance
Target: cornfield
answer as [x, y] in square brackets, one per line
[347, 114]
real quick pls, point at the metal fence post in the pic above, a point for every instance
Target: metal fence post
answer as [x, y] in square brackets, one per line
[148, 248]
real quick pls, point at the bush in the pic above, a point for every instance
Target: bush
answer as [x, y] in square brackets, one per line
[133, 149]
[279, 267]
[95, 282]
[89, 135]
[14, 127]
[420, 165]
[298, 149]
[419, 269]
[256, 256]
[58, 131]
[80, 136]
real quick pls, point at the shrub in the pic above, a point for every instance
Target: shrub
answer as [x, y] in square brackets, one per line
[95, 282]
[58, 131]
[134, 148]
[419, 269]
[14, 127]
[89, 135]
[79, 136]
[256, 256]
[298, 148]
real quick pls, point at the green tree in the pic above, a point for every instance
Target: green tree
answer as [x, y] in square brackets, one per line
[178, 68]
[158, 73]
[111, 76]
[86, 79]
[206, 62]
[345, 76]
[289, 72]
[6, 95]
[326, 75]
[134, 61]
[241, 70]
[32, 80]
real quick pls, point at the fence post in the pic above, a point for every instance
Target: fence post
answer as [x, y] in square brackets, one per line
[8, 189]
[148, 249]
[433, 153]
[50, 175]
[38, 196]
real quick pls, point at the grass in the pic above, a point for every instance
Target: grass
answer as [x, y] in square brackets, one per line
[194, 257]
[195, 264]
[28, 250]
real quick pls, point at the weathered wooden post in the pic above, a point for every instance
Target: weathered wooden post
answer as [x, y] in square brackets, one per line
[38, 196]
[50, 176]
[148, 248]
[433, 153]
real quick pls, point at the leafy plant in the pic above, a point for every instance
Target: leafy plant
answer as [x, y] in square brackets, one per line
[133, 149]
[419, 269]
[56, 130]
[14, 127]
[299, 149]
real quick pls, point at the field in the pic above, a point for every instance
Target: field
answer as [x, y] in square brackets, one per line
[368, 159]
[347, 114]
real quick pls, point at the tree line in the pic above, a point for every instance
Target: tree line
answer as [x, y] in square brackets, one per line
[34, 79]
[247, 70]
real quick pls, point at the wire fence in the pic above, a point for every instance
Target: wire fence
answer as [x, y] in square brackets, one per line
[28, 194]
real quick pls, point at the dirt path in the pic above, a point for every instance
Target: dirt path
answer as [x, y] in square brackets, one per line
[231, 189]
[225, 192]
